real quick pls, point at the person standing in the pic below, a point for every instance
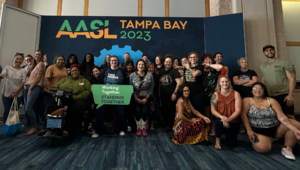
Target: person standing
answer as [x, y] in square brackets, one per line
[116, 76]
[169, 79]
[159, 63]
[15, 78]
[244, 78]
[279, 76]
[126, 57]
[86, 66]
[28, 60]
[143, 83]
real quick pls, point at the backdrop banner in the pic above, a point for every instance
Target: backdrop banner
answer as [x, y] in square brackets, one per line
[141, 35]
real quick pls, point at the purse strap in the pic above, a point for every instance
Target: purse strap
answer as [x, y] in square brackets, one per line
[14, 104]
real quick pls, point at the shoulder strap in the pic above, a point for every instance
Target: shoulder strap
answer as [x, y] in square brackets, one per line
[269, 101]
[250, 100]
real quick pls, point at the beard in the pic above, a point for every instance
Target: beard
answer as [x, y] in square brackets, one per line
[272, 56]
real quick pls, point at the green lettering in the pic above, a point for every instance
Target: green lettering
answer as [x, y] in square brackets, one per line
[106, 23]
[65, 25]
[81, 25]
[93, 24]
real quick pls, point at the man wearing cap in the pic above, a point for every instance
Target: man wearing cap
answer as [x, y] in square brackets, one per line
[279, 76]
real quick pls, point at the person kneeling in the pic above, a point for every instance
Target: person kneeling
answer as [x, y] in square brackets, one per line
[188, 130]
[226, 107]
[264, 121]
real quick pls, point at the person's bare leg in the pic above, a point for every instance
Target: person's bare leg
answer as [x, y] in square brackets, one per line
[263, 145]
[218, 144]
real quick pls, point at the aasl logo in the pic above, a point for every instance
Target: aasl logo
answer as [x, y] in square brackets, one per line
[95, 25]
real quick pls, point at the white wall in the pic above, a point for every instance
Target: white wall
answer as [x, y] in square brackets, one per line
[43, 7]
[151, 8]
[291, 14]
[77, 7]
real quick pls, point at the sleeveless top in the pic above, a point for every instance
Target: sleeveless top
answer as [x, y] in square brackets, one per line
[33, 75]
[262, 117]
[226, 105]
[223, 72]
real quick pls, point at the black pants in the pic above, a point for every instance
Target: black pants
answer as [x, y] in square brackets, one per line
[130, 112]
[168, 109]
[231, 132]
[142, 111]
[286, 109]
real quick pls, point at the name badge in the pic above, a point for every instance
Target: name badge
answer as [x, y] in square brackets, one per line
[81, 84]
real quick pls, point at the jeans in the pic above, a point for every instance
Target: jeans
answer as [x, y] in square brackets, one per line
[7, 102]
[231, 133]
[197, 101]
[30, 104]
[120, 111]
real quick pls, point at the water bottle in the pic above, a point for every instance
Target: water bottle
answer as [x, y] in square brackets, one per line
[21, 106]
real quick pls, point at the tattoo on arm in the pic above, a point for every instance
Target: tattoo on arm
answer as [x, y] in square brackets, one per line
[213, 97]
[286, 121]
[181, 104]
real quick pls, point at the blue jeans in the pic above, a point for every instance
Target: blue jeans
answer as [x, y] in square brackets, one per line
[197, 101]
[120, 111]
[31, 103]
[7, 102]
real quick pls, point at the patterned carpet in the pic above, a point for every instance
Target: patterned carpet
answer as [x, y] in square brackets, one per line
[156, 151]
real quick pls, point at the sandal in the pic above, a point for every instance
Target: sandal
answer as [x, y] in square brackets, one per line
[218, 147]
[212, 134]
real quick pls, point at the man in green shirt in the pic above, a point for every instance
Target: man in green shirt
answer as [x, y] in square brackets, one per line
[280, 78]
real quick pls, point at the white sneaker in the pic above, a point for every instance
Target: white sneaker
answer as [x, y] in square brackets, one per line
[90, 130]
[288, 153]
[129, 129]
[95, 135]
[122, 133]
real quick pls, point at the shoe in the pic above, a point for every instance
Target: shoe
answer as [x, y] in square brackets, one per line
[167, 129]
[42, 132]
[138, 127]
[95, 135]
[287, 153]
[32, 131]
[129, 129]
[138, 132]
[122, 133]
[90, 130]
[144, 131]
[65, 134]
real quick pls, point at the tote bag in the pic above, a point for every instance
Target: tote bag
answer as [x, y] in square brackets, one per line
[12, 123]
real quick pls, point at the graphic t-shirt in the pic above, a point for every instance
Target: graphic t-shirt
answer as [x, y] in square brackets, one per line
[275, 76]
[159, 69]
[167, 80]
[210, 79]
[194, 83]
[244, 90]
[113, 76]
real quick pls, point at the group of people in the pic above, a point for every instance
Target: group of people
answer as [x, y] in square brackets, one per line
[193, 100]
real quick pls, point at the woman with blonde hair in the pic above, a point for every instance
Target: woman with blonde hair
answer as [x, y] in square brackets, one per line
[226, 105]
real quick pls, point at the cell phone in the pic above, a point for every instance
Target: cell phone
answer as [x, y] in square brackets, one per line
[255, 139]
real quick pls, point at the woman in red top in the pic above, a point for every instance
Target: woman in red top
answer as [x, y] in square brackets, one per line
[226, 105]
[218, 57]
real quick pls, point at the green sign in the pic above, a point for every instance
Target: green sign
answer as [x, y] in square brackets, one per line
[111, 94]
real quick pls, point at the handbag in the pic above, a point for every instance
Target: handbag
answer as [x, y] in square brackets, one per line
[12, 124]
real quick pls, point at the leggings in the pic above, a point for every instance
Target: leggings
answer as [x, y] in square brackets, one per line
[142, 111]
[231, 133]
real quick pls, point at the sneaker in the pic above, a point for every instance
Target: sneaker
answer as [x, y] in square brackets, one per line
[138, 132]
[144, 132]
[122, 133]
[287, 153]
[95, 135]
[129, 129]
[90, 130]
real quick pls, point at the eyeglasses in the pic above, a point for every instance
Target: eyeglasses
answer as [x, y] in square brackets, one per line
[184, 91]
[28, 60]
[254, 88]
